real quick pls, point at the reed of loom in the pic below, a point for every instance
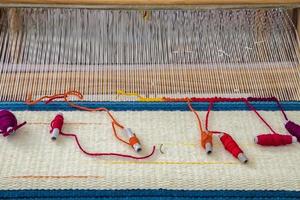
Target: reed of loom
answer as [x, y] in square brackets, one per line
[190, 80]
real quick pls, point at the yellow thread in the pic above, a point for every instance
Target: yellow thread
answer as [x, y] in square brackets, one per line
[172, 163]
[139, 97]
[145, 99]
[122, 92]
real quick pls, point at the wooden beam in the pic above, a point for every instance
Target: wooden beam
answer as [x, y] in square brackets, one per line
[298, 21]
[155, 2]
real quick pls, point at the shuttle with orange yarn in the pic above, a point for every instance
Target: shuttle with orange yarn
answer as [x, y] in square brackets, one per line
[133, 140]
[206, 141]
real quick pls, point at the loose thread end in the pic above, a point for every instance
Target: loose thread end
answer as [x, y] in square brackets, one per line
[29, 101]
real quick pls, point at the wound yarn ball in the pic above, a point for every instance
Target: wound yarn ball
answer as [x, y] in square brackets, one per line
[8, 123]
[293, 129]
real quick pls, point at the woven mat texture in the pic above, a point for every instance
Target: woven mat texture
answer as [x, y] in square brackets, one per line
[30, 160]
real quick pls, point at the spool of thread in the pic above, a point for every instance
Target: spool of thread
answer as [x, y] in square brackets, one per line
[232, 147]
[274, 139]
[293, 129]
[56, 126]
[206, 141]
[133, 140]
[8, 123]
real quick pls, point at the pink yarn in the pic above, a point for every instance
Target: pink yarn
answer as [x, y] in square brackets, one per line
[8, 123]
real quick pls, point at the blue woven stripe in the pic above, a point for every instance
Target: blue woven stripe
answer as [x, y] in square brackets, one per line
[152, 106]
[148, 194]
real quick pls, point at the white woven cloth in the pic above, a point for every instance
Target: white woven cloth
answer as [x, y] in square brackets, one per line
[30, 160]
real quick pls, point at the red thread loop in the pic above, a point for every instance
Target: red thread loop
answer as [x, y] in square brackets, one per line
[274, 139]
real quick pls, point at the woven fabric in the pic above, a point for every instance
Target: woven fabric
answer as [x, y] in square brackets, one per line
[30, 160]
[150, 194]
[153, 106]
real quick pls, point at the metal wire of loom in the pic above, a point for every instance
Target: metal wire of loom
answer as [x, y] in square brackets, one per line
[176, 53]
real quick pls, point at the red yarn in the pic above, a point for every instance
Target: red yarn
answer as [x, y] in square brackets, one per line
[269, 99]
[274, 139]
[230, 145]
[211, 104]
[96, 154]
[215, 99]
[251, 107]
[57, 122]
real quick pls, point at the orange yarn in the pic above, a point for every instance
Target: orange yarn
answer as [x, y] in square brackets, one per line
[197, 116]
[133, 140]
[206, 137]
[77, 94]
[29, 100]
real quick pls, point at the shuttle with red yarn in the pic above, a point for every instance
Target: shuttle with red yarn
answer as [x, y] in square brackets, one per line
[274, 139]
[56, 126]
[232, 147]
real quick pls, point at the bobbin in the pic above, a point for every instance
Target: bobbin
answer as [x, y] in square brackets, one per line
[9, 124]
[232, 147]
[56, 126]
[274, 139]
[133, 140]
[293, 129]
[208, 148]
[9, 130]
[206, 141]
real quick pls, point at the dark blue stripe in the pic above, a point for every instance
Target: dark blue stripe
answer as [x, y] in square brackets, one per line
[149, 194]
[150, 106]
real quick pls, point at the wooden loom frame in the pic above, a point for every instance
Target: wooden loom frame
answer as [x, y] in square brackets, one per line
[64, 76]
[158, 2]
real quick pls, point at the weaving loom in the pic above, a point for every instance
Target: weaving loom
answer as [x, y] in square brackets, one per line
[131, 57]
